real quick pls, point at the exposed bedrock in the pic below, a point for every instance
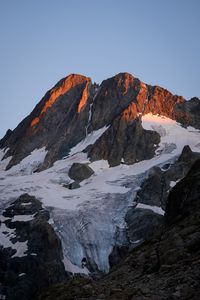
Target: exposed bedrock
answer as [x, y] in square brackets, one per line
[74, 107]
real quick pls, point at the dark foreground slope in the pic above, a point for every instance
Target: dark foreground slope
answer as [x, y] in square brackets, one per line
[166, 267]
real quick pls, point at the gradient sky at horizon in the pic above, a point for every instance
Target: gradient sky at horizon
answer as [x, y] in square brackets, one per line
[45, 40]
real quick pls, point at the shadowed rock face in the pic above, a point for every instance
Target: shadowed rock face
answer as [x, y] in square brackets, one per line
[154, 191]
[47, 125]
[59, 120]
[41, 263]
[126, 141]
[155, 188]
[181, 204]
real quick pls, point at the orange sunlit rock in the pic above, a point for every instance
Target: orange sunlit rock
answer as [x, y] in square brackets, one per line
[124, 82]
[69, 82]
[83, 98]
[142, 96]
[129, 113]
[35, 121]
[162, 102]
[127, 82]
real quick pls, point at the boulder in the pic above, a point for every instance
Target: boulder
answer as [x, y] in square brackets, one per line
[79, 172]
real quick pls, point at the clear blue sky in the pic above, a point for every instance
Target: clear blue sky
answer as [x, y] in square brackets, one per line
[42, 41]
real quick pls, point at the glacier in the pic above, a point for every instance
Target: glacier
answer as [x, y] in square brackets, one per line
[90, 220]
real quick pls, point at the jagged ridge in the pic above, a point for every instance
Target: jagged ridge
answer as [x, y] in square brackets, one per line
[75, 107]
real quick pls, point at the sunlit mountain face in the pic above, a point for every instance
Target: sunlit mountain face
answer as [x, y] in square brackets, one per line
[92, 166]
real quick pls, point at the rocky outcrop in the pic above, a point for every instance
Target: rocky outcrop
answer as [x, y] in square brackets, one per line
[125, 141]
[57, 122]
[145, 215]
[33, 260]
[181, 205]
[188, 113]
[155, 188]
[74, 107]
[165, 267]
[79, 172]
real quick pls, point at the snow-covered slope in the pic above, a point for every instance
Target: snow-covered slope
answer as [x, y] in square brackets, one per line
[88, 218]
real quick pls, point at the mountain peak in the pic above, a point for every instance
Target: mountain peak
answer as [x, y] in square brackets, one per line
[62, 87]
[75, 107]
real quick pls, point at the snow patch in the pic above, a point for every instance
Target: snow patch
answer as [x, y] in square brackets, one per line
[29, 164]
[72, 268]
[99, 165]
[26, 203]
[6, 236]
[135, 242]
[21, 247]
[90, 215]
[90, 139]
[156, 209]
[173, 136]
[4, 162]
[22, 218]
[22, 274]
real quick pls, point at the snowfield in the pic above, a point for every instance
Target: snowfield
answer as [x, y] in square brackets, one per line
[86, 218]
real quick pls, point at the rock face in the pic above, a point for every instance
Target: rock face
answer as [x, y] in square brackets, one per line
[155, 188]
[79, 172]
[74, 107]
[181, 205]
[125, 141]
[34, 259]
[48, 124]
[141, 220]
[165, 267]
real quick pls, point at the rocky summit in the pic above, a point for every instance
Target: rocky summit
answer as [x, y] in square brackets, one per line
[74, 107]
[99, 190]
